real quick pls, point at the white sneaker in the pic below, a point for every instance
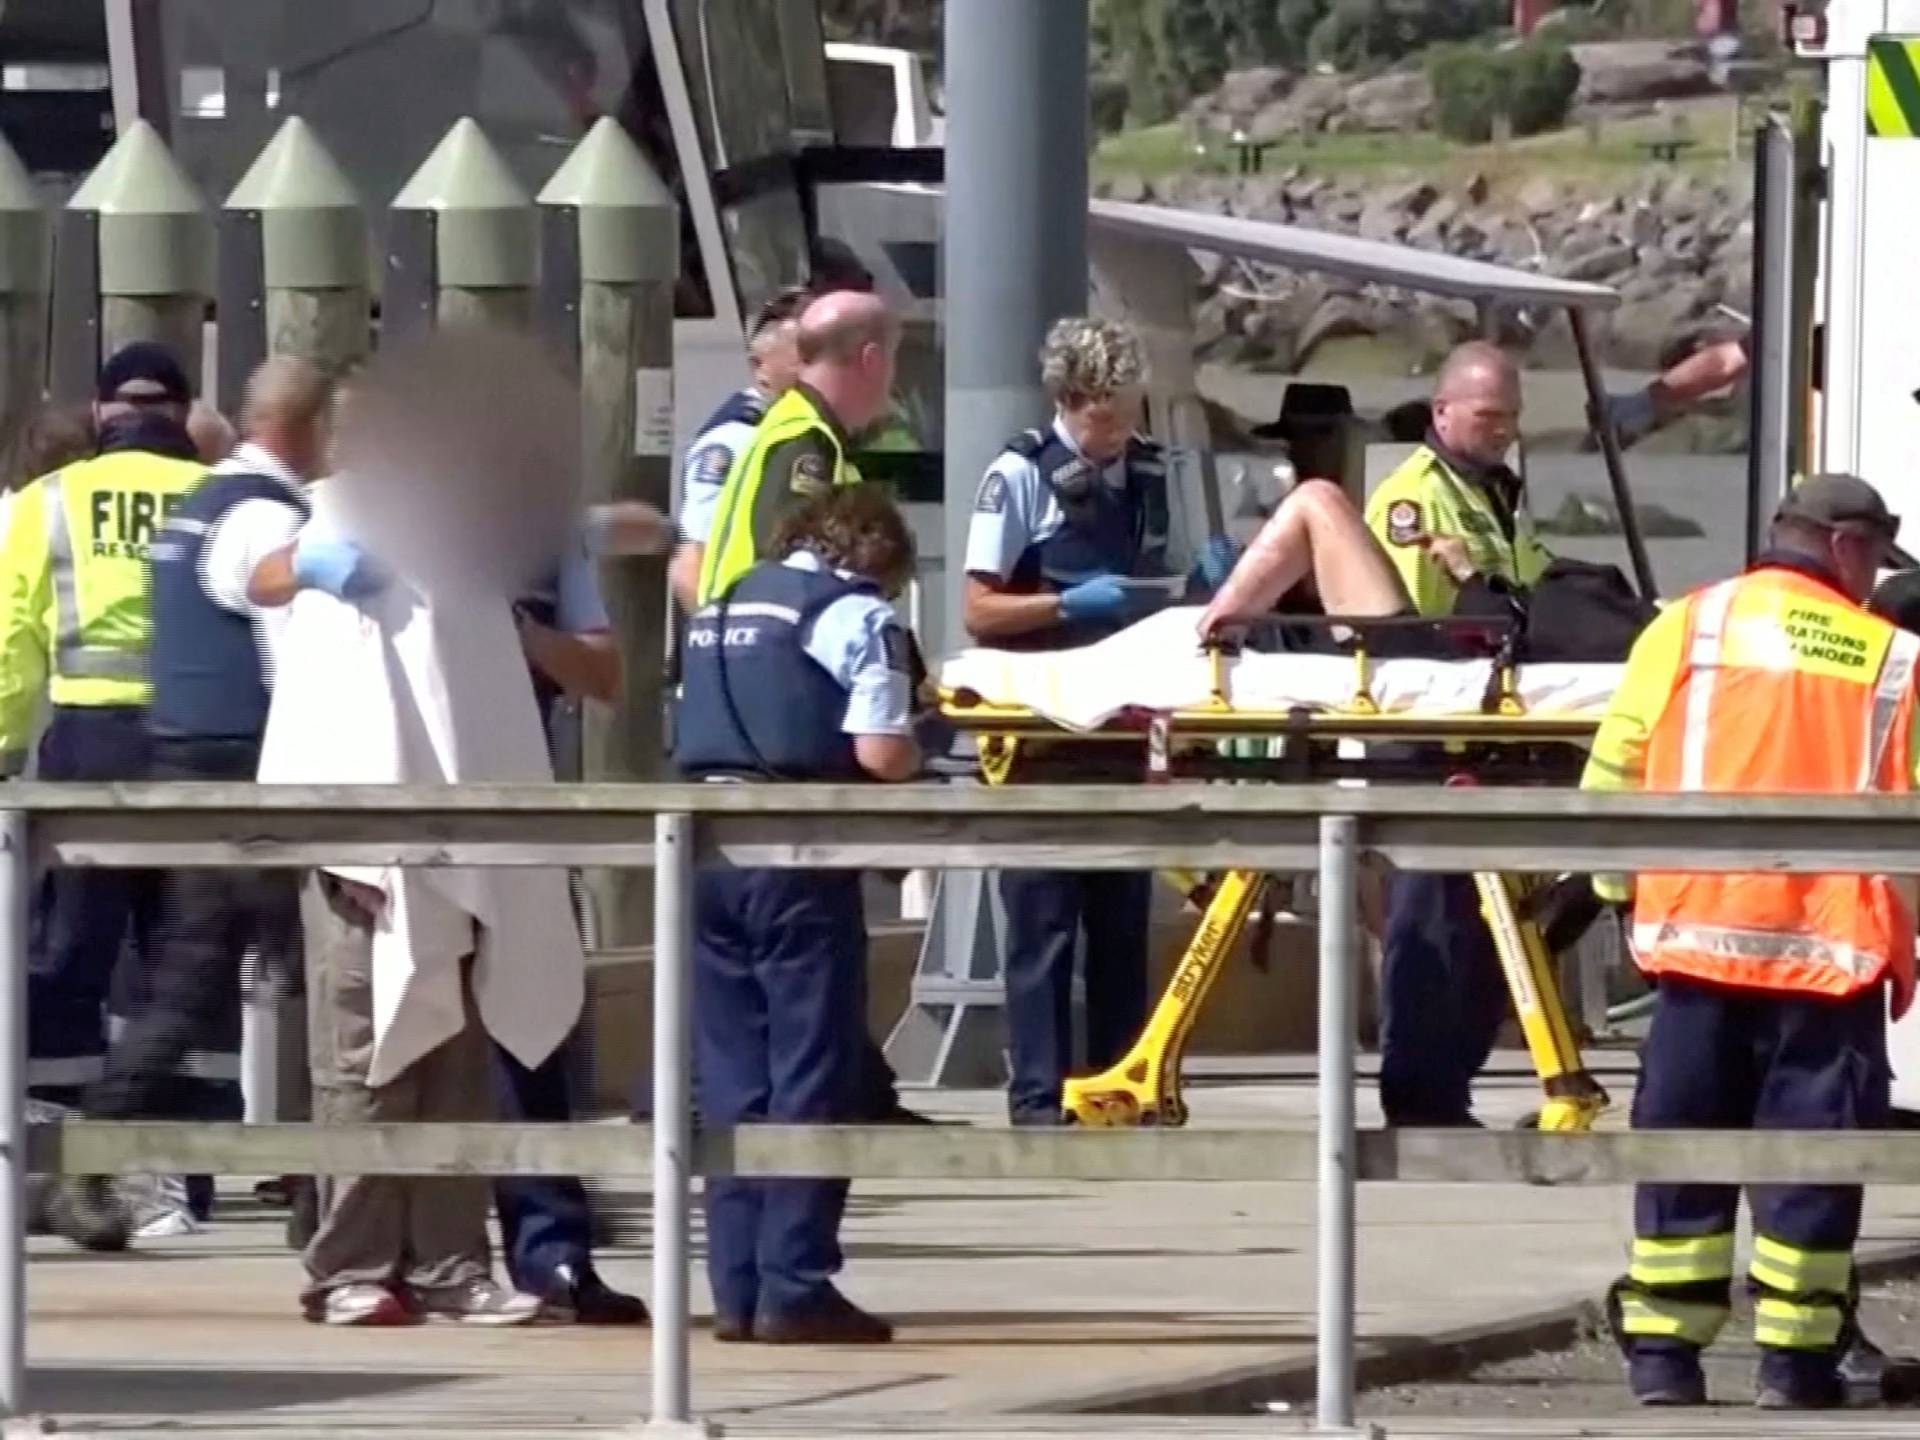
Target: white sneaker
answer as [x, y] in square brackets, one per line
[159, 1206]
[479, 1301]
[165, 1223]
[358, 1305]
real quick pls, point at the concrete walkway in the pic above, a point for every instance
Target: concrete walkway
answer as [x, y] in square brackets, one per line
[1013, 1299]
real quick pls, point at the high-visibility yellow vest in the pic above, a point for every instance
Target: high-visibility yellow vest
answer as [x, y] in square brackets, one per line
[1424, 497]
[74, 620]
[730, 546]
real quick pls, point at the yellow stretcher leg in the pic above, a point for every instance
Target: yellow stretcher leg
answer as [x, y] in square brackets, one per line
[1573, 1097]
[1144, 1088]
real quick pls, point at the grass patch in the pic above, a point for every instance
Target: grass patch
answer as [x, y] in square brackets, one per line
[1619, 145]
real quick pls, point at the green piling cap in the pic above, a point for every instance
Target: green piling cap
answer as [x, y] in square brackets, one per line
[312, 234]
[629, 221]
[484, 238]
[155, 235]
[23, 228]
[138, 176]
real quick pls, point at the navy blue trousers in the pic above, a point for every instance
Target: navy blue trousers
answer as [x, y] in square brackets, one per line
[780, 1027]
[1717, 1058]
[545, 1220]
[1442, 998]
[1046, 911]
[83, 918]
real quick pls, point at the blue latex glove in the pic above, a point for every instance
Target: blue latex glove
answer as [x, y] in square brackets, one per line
[1099, 599]
[1634, 416]
[338, 567]
[1215, 564]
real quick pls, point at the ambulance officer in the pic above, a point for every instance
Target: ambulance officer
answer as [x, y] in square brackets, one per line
[847, 343]
[1772, 989]
[74, 626]
[797, 672]
[1063, 519]
[1452, 512]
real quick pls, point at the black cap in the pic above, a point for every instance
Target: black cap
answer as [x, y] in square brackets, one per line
[1839, 502]
[149, 362]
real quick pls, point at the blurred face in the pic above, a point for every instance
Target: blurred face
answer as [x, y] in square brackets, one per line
[1101, 428]
[775, 356]
[1478, 416]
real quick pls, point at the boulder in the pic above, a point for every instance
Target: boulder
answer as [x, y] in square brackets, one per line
[1305, 110]
[1539, 196]
[1641, 332]
[1599, 263]
[1628, 72]
[1243, 94]
[1434, 225]
[1337, 315]
[1392, 104]
[1476, 189]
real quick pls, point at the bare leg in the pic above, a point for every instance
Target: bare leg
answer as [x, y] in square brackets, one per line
[1316, 531]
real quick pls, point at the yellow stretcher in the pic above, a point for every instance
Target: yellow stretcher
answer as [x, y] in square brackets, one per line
[1501, 743]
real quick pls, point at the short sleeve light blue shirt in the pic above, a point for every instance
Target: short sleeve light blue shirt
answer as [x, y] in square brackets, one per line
[859, 641]
[1015, 509]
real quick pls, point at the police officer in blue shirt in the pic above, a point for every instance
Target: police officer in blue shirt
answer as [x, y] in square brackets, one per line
[799, 672]
[1064, 519]
[546, 1223]
[773, 352]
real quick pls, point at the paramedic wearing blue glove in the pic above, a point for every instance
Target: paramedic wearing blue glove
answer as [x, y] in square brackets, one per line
[1452, 512]
[1064, 518]
[798, 672]
[546, 1223]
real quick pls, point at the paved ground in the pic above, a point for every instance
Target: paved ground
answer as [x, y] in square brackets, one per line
[1013, 1299]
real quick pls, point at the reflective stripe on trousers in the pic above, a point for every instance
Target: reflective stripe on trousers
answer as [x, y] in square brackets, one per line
[195, 1064]
[1681, 1259]
[73, 658]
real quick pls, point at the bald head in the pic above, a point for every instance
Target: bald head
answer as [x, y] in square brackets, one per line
[289, 411]
[847, 342]
[1476, 403]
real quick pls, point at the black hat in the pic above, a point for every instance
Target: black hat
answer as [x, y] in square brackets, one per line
[149, 362]
[1839, 502]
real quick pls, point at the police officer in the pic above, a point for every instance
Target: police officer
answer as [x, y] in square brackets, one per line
[1772, 989]
[211, 664]
[1063, 519]
[773, 352]
[546, 1222]
[74, 622]
[847, 343]
[1452, 512]
[798, 672]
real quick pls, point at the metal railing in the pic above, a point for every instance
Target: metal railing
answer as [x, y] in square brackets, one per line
[674, 827]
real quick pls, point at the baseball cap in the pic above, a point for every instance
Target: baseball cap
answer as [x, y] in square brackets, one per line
[1839, 502]
[148, 362]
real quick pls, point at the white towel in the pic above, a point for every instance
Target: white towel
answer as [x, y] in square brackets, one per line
[411, 689]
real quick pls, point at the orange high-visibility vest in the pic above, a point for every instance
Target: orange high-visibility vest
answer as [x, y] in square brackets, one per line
[1787, 687]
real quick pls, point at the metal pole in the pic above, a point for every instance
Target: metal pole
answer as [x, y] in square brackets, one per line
[672, 1112]
[14, 882]
[1775, 201]
[1015, 258]
[1610, 452]
[1339, 915]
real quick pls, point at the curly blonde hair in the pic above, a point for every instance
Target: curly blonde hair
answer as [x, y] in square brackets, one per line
[1086, 359]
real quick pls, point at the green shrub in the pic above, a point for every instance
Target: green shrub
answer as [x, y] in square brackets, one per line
[1469, 92]
[1109, 98]
[1532, 85]
[1541, 78]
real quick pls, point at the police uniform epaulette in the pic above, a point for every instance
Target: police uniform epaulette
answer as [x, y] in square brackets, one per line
[743, 407]
[1027, 444]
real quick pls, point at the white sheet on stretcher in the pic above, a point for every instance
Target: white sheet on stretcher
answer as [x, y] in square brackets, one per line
[1158, 665]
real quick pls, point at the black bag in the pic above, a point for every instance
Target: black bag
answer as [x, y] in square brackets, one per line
[1576, 613]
